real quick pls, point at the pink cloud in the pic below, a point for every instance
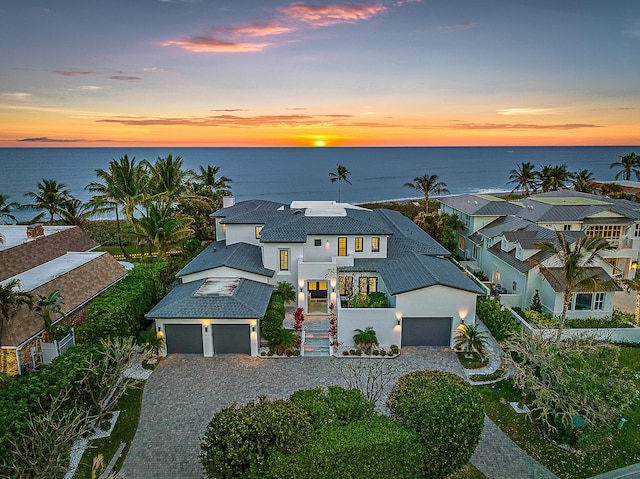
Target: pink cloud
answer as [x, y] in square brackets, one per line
[252, 30]
[71, 73]
[200, 44]
[331, 14]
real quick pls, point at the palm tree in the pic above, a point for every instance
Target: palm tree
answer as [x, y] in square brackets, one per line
[286, 290]
[5, 209]
[341, 174]
[48, 307]
[365, 339]
[168, 178]
[210, 181]
[470, 338]
[554, 178]
[575, 272]
[74, 212]
[427, 185]
[583, 181]
[11, 299]
[628, 164]
[524, 176]
[162, 228]
[49, 196]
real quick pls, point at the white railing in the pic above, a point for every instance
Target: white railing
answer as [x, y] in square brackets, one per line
[50, 351]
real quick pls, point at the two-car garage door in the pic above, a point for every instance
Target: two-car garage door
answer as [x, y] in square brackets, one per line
[227, 338]
[426, 331]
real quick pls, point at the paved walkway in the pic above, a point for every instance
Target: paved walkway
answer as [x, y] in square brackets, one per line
[184, 392]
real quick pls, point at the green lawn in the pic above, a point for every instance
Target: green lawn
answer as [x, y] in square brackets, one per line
[474, 362]
[116, 251]
[129, 407]
[469, 472]
[620, 449]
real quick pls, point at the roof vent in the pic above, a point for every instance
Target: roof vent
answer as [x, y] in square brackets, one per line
[475, 202]
[297, 212]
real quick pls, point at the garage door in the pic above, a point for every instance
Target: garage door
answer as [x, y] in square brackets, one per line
[231, 338]
[183, 338]
[426, 331]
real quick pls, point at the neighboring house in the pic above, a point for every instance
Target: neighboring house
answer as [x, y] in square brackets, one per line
[46, 259]
[330, 252]
[505, 248]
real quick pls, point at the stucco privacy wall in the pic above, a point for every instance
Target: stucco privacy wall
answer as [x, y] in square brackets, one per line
[438, 301]
[383, 320]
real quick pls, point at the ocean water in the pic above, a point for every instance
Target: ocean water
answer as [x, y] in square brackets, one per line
[286, 174]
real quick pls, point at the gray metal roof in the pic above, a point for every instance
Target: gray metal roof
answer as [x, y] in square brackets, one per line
[480, 205]
[555, 278]
[241, 256]
[509, 257]
[415, 271]
[244, 207]
[249, 300]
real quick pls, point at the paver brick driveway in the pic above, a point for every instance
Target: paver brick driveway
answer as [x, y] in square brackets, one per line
[185, 391]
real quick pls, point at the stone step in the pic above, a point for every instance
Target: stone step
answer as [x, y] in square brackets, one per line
[316, 335]
[316, 350]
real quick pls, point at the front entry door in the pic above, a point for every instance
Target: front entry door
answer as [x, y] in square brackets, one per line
[317, 297]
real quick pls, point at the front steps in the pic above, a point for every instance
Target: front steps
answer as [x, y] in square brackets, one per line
[316, 341]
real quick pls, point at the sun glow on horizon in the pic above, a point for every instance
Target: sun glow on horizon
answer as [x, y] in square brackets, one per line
[320, 143]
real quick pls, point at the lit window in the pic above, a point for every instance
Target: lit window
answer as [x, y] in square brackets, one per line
[461, 242]
[342, 246]
[368, 284]
[223, 227]
[258, 231]
[375, 244]
[359, 244]
[608, 232]
[345, 284]
[284, 260]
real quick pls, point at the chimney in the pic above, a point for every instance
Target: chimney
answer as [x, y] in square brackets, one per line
[34, 231]
[228, 201]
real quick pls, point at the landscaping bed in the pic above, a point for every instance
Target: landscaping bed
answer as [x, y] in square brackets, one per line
[619, 449]
[475, 361]
[618, 319]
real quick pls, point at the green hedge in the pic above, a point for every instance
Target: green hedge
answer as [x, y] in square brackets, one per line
[239, 439]
[373, 448]
[119, 311]
[273, 317]
[447, 414]
[496, 318]
[334, 405]
[27, 394]
[619, 319]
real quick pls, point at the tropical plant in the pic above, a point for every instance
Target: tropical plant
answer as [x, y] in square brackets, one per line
[163, 228]
[524, 176]
[427, 185]
[612, 190]
[6, 208]
[441, 227]
[283, 340]
[575, 272]
[50, 196]
[286, 290]
[365, 339]
[298, 317]
[74, 212]
[628, 165]
[470, 338]
[49, 307]
[208, 179]
[11, 299]
[168, 179]
[553, 178]
[447, 414]
[341, 174]
[583, 181]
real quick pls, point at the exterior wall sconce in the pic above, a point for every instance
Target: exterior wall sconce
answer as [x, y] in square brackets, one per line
[253, 328]
[398, 321]
[206, 326]
[301, 289]
[634, 265]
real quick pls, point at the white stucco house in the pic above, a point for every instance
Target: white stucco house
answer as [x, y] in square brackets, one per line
[329, 251]
[505, 248]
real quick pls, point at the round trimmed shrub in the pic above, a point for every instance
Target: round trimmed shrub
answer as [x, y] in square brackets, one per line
[447, 414]
[373, 448]
[239, 439]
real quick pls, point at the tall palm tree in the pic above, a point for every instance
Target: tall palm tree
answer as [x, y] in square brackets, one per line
[11, 299]
[524, 177]
[575, 272]
[469, 337]
[583, 181]
[5, 209]
[427, 185]
[169, 178]
[163, 228]
[628, 164]
[341, 174]
[49, 196]
[553, 178]
[210, 181]
[74, 212]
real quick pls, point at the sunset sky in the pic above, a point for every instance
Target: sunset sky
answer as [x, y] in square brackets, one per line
[280, 73]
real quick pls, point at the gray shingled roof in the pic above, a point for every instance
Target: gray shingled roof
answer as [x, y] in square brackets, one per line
[248, 301]
[244, 207]
[241, 256]
[480, 205]
[511, 260]
[415, 271]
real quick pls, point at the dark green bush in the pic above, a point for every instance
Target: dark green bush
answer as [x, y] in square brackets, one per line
[372, 448]
[496, 318]
[273, 317]
[447, 414]
[336, 404]
[239, 439]
[377, 299]
[105, 232]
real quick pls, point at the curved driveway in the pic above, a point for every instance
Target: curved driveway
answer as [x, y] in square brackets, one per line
[185, 391]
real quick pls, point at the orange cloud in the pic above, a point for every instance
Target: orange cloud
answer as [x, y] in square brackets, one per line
[331, 14]
[199, 44]
[252, 30]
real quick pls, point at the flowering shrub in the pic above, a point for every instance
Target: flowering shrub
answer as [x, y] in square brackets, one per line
[298, 316]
